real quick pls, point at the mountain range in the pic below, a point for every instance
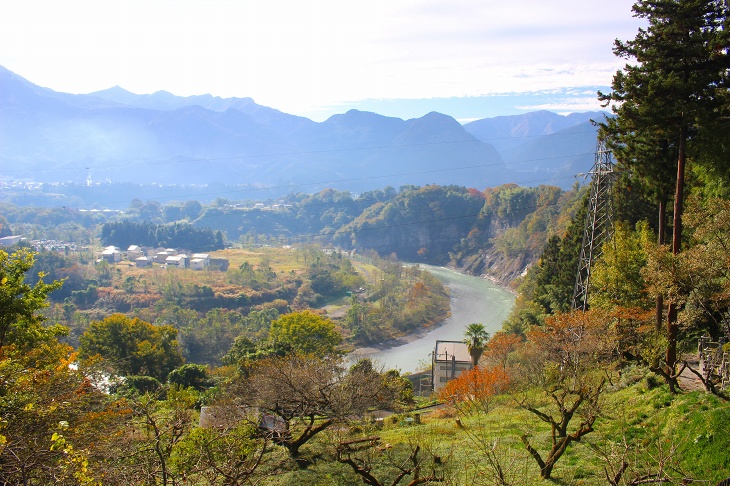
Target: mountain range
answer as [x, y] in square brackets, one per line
[116, 135]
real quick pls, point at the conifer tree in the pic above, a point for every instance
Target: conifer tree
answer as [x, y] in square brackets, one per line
[665, 100]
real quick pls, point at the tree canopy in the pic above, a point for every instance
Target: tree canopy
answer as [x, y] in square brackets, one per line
[20, 303]
[306, 333]
[133, 346]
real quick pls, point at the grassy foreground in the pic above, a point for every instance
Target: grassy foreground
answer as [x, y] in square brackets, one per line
[655, 437]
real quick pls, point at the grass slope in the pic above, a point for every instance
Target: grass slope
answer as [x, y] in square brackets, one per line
[654, 432]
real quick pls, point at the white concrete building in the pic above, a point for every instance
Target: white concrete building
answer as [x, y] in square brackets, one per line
[449, 360]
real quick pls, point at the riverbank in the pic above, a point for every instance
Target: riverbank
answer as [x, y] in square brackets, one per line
[473, 299]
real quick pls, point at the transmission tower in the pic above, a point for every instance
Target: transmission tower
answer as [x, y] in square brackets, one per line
[598, 224]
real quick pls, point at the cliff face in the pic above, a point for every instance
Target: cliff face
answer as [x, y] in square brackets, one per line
[417, 243]
[496, 267]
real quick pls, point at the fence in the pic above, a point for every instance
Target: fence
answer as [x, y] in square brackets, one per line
[714, 361]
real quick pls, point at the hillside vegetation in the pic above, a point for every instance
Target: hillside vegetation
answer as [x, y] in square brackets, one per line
[169, 376]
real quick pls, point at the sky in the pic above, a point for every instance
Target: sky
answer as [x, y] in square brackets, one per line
[466, 58]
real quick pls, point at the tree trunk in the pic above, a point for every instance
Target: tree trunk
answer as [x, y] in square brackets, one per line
[662, 236]
[672, 327]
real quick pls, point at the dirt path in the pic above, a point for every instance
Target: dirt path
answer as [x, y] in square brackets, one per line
[688, 381]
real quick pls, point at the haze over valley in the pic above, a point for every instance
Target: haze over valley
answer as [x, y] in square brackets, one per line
[120, 137]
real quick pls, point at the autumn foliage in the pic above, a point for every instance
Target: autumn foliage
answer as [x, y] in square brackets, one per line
[474, 389]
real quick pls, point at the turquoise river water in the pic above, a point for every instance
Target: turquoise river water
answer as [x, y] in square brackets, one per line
[473, 299]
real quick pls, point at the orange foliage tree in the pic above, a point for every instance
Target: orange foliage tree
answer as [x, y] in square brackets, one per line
[474, 390]
[500, 347]
[570, 358]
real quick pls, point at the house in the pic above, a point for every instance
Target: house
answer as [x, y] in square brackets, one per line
[449, 360]
[198, 264]
[161, 256]
[205, 257]
[180, 261]
[134, 252]
[142, 262]
[111, 254]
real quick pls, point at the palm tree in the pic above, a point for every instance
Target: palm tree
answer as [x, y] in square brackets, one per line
[476, 340]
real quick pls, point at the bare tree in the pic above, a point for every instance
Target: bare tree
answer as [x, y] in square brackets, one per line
[568, 359]
[308, 394]
[403, 462]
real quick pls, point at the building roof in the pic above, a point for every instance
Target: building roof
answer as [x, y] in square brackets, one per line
[446, 349]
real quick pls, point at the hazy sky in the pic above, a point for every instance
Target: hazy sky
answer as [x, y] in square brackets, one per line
[319, 57]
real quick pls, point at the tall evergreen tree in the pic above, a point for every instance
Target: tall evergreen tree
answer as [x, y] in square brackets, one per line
[666, 100]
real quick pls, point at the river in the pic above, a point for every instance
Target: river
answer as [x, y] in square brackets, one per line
[473, 299]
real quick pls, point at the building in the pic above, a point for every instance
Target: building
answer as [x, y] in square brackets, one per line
[197, 264]
[142, 262]
[204, 257]
[180, 261]
[134, 252]
[111, 254]
[449, 360]
[219, 263]
[10, 240]
[161, 256]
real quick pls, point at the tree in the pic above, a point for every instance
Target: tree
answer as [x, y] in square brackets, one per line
[230, 454]
[367, 457]
[667, 98]
[133, 346]
[308, 394]
[191, 376]
[20, 322]
[697, 281]
[617, 278]
[143, 452]
[500, 347]
[305, 333]
[475, 389]
[568, 359]
[476, 338]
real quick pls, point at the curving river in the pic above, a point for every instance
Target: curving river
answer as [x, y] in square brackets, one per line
[473, 299]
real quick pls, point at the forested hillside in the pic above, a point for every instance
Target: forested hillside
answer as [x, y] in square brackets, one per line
[116, 374]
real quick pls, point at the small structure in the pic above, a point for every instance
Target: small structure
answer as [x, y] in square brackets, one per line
[449, 360]
[142, 262]
[714, 361]
[219, 263]
[180, 261]
[10, 240]
[205, 257]
[111, 254]
[197, 264]
[134, 252]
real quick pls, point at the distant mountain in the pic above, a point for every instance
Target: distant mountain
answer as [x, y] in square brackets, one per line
[162, 138]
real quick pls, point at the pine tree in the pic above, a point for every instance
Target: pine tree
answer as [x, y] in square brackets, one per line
[666, 100]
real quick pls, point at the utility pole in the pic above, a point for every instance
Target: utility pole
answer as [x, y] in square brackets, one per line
[598, 226]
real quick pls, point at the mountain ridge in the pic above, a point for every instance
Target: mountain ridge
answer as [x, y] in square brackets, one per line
[125, 137]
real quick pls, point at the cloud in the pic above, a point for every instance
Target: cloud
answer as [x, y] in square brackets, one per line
[302, 57]
[565, 106]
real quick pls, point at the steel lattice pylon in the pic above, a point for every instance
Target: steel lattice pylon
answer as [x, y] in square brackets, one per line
[598, 224]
